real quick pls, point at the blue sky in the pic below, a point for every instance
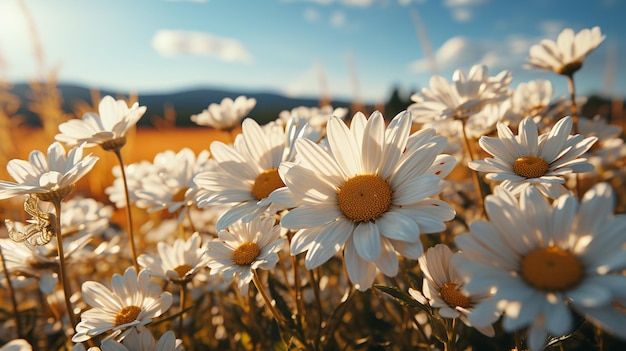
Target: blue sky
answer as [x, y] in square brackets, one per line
[300, 47]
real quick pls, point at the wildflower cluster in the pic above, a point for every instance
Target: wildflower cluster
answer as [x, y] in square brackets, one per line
[323, 231]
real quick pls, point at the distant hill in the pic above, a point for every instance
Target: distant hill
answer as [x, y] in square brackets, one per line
[185, 103]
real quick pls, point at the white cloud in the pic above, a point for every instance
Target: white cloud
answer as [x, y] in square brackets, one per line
[354, 3]
[311, 15]
[461, 52]
[177, 42]
[462, 15]
[337, 19]
[551, 29]
[462, 10]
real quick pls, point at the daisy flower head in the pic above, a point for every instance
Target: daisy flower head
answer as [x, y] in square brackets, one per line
[142, 339]
[314, 117]
[245, 247]
[227, 114]
[132, 301]
[135, 174]
[529, 99]
[370, 196]
[462, 98]
[107, 128]
[529, 159]
[171, 185]
[247, 173]
[566, 55]
[50, 177]
[442, 287]
[544, 259]
[178, 262]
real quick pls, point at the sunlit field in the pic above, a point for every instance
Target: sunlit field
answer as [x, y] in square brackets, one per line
[481, 217]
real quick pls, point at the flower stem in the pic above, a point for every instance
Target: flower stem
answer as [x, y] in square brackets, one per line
[18, 325]
[183, 293]
[268, 301]
[129, 214]
[573, 108]
[450, 344]
[62, 269]
[574, 112]
[477, 185]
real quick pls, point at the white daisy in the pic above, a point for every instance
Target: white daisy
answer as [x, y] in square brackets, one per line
[135, 174]
[543, 259]
[16, 345]
[315, 117]
[609, 148]
[108, 128]
[143, 341]
[463, 98]
[530, 99]
[132, 302]
[247, 172]
[39, 262]
[371, 196]
[442, 288]
[227, 114]
[244, 247]
[566, 55]
[178, 262]
[50, 177]
[171, 186]
[529, 159]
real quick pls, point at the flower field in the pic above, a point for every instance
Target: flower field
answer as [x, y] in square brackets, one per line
[482, 217]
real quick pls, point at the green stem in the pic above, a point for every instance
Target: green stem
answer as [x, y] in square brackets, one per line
[62, 268]
[268, 301]
[129, 212]
[18, 325]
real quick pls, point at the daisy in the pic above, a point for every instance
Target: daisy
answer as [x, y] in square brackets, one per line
[170, 185]
[370, 196]
[463, 98]
[610, 146]
[178, 262]
[247, 172]
[38, 262]
[544, 259]
[50, 177]
[315, 117]
[529, 159]
[133, 301]
[530, 99]
[143, 341]
[16, 345]
[107, 129]
[245, 247]
[566, 55]
[135, 174]
[226, 115]
[442, 288]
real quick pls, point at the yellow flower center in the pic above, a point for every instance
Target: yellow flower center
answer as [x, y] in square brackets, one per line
[452, 295]
[364, 197]
[182, 270]
[126, 315]
[551, 269]
[530, 166]
[180, 195]
[266, 182]
[245, 253]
